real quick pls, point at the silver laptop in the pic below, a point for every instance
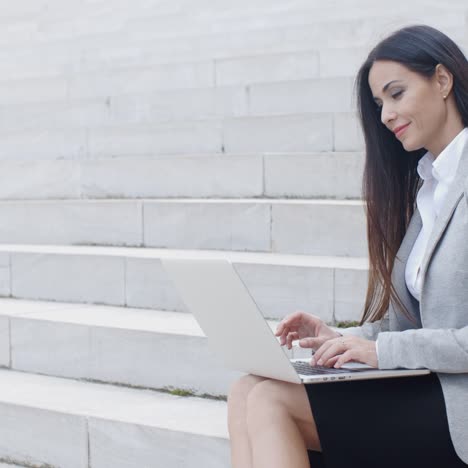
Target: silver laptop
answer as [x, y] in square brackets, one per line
[237, 331]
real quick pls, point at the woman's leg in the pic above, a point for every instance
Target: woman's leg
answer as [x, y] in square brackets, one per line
[280, 425]
[237, 420]
[252, 403]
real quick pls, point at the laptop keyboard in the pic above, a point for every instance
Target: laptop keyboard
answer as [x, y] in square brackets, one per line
[305, 368]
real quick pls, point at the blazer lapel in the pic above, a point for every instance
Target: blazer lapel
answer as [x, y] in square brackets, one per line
[411, 234]
[398, 274]
[454, 195]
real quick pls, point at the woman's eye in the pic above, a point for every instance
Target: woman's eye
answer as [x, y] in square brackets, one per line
[379, 106]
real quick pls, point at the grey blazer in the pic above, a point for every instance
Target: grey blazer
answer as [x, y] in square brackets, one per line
[440, 340]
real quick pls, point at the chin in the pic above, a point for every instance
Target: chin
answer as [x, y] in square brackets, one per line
[408, 146]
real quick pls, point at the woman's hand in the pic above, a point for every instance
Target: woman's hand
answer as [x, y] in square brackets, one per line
[309, 329]
[337, 351]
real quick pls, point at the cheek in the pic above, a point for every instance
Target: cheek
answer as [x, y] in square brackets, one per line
[428, 111]
[424, 114]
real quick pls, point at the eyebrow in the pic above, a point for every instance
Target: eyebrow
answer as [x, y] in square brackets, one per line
[386, 87]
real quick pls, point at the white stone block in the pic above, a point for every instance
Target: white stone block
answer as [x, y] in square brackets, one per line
[37, 436]
[23, 9]
[143, 140]
[342, 61]
[80, 278]
[158, 361]
[39, 179]
[34, 345]
[350, 293]
[43, 144]
[347, 133]
[56, 114]
[111, 354]
[148, 286]
[316, 175]
[59, 398]
[142, 80]
[299, 133]
[201, 176]
[120, 445]
[112, 222]
[255, 69]
[71, 222]
[30, 64]
[207, 225]
[76, 24]
[330, 229]
[180, 104]
[296, 97]
[5, 274]
[33, 90]
[4, 341]
[280, 290]
[295, 37]
[24, 308]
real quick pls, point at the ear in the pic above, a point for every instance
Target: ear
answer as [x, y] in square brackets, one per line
[444, 79]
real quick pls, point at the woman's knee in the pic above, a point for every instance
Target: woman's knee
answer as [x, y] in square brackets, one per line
[275, 402]
[269, 394]
[238, 395]
[241, 388]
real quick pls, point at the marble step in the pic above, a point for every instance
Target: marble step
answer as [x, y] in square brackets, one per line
[65, 423]
[90, 8]
[144, 348]
[252, 66]
[336, 175]
[331, 287]
[253, 42]
[312, 227]
[74, 48]
[209, 21]
[122, 98]
[76, 28]
[289, 133]
[136, 347]
[226, 45]
[32, 80]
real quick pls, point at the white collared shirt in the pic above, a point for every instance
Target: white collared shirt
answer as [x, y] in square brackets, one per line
[438, 174]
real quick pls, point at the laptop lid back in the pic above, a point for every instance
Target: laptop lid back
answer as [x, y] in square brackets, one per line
[236, 330]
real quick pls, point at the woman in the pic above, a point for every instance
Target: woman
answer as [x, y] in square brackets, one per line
[413, 106]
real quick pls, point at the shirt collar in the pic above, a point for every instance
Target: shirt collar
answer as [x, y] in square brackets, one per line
[425, 166]
[444, 167]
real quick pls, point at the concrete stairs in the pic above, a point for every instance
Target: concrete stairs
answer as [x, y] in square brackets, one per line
[133, 131]
[54, 422]
[330, 287]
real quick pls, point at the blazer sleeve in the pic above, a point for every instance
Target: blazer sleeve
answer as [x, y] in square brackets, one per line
[440, 350]
[368, 330]
[437, 349]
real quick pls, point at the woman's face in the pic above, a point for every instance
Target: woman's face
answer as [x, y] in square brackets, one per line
[406, 97]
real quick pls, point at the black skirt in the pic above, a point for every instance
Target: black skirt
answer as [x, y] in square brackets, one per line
[395, 422]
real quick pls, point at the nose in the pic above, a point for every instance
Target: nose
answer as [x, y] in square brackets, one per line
[387, 114]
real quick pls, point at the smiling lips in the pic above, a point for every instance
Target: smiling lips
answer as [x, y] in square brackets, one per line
[399, 130]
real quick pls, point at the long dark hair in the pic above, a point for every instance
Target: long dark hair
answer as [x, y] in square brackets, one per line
[391, 181]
